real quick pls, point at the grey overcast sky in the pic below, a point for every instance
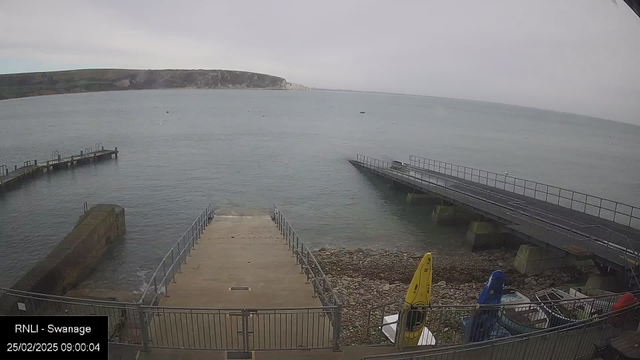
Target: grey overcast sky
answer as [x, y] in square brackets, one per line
[579, 56]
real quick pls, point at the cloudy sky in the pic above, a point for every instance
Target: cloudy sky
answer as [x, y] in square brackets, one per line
[568, 55]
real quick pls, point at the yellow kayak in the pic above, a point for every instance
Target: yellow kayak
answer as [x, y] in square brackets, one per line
[419, 293]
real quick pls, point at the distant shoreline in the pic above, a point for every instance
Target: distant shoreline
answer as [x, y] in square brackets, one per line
[23, 85]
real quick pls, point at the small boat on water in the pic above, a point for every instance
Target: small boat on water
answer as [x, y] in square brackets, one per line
[519, 316]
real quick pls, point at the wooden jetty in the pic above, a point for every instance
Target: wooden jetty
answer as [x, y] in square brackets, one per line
[9, 179]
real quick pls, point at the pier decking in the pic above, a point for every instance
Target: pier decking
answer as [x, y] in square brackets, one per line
[9, 179]
[569, 223]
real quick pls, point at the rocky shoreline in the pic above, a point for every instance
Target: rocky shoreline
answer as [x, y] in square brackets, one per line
[367, 278]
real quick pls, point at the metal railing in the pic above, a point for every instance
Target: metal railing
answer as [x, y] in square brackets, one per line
[4, 171]
[189, 328]
[240, 329]
[125, 326]
[566, 342]
[171, 264]
[610, 245]
[460, 324]
[310, 267]
[611, 210]
[145, 324]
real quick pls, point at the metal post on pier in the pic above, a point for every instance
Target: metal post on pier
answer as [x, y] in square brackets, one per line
[142, 316]
[337, 326]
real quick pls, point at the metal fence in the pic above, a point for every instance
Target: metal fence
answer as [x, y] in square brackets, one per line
[459, 324]
[315, 276]
[610, 245]
[240, 329]
[615, 211]
[125, 319]
[570, 341]
[158, 285]
[308, 263]
[189, 328]
[145, 324]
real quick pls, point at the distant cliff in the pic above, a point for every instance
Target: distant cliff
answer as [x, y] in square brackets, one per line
[75, 81]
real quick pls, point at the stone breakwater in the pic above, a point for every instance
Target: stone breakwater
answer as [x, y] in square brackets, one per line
[367, 278]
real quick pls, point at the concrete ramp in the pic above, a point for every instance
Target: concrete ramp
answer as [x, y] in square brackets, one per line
[241, 262]
[241, 290]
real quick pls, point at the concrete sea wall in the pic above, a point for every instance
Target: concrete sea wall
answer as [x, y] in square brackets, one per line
[76, 255]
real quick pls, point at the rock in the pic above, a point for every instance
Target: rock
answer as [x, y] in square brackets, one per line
[458, 279]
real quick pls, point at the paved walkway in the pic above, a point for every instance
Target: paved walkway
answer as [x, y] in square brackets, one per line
[237, 252]
[247, 286]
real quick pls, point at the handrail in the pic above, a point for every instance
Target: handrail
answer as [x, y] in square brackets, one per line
[178, 255]
[306, 259]
[582, 324]
[607, 297]
[310, 267]
[442, 167]
[493, 179]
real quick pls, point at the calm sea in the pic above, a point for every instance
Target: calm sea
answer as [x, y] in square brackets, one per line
[243, 151]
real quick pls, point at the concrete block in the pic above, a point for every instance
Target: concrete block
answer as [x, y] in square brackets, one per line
[613, 282]
[443, 214]
[450, 215]
[485, 235]
[77, 254]
[532, 260]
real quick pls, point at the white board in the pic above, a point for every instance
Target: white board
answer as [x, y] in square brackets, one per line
[389, 330]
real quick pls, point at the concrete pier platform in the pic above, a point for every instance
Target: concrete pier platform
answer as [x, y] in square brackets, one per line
[241, 290]
[238, 253]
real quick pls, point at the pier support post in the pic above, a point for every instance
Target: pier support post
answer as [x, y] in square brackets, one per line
[609, 282]
[450, 215]
[443, 214]
[532, 260]
[485, 235]
[116, 152]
